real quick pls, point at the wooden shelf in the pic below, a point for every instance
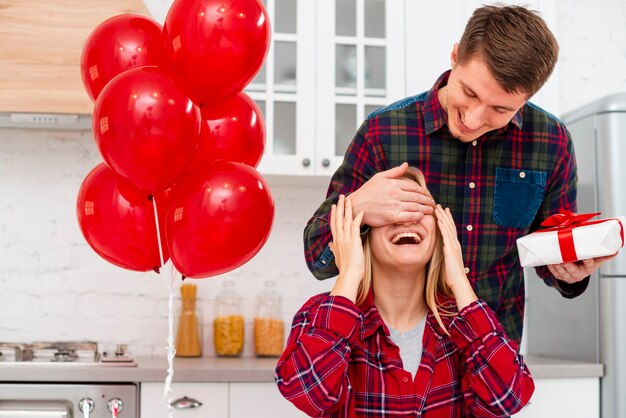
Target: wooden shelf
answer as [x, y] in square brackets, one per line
[40, 44]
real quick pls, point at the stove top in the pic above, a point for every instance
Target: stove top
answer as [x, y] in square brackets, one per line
[64, 353]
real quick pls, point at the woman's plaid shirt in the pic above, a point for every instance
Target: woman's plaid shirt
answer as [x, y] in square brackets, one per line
[340, 362]
[499, 188]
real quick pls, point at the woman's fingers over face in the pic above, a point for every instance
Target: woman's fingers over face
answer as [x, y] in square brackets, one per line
[446, 216]
[447, 227]
[347, 221]
[356, 224]
[340, 214]
[442, 217]
[333, 220]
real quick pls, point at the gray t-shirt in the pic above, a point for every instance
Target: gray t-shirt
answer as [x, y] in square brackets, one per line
[410, 344]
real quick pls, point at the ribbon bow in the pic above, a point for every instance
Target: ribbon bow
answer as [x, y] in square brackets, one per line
[565, 218]
[564, 221]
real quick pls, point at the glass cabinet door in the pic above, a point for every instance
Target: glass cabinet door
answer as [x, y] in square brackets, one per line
[284, 89]
[360, 68]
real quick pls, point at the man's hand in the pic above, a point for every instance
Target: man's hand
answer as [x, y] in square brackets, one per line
[389, 198]
[578, 270]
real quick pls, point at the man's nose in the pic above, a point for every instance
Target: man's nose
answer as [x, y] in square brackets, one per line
[474, 116]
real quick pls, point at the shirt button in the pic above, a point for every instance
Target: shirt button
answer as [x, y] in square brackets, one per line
[323, 261]
[466, 269]
[405, 379]
[469, 227]
[472, 185]
[522, 175]
[474, 143]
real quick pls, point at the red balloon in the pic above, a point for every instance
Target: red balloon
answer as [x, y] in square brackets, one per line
[219, 217]
[117, 44]
[232, 130]
[146, 128]
[216, 46]
[117, 221]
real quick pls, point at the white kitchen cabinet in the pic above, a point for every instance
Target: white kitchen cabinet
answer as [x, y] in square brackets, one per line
[260, 400]
[566, 397]
[213, 396]
[330, 64]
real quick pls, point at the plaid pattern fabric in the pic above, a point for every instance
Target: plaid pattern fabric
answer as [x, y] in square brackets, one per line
[499, 188]
[340, 362]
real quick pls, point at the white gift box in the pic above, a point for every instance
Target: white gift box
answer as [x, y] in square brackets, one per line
[591, 239]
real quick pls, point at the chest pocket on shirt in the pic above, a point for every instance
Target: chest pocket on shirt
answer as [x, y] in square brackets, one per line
[517, 196]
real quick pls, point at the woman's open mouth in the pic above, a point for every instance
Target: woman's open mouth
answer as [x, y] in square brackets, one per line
[406, 238]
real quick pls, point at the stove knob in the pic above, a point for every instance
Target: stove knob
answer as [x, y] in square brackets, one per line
[115, 406]
[86, 405]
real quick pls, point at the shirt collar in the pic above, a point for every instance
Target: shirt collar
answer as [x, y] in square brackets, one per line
[435, 116]
[372, 321]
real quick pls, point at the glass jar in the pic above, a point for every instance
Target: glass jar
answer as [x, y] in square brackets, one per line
[189, 333]
[228, 323]
[269, 328]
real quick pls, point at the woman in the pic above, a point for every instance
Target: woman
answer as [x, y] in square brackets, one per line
[402, 332]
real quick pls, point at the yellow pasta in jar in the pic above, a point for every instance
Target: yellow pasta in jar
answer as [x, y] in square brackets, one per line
[228, 333]
[268, 336]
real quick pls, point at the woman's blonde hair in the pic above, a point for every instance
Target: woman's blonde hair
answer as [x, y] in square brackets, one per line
[435, 268]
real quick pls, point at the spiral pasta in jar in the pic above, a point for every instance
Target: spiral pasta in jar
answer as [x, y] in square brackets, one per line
[228, 325]
[228, 333]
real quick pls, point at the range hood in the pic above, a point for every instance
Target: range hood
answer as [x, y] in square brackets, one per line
[41, 42]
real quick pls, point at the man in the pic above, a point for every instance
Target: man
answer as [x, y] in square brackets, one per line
[501, 164]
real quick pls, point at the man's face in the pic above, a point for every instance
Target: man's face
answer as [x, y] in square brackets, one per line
[474, 101]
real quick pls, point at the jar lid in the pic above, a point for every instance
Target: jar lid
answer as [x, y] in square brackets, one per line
[228, 293]
[269, 294]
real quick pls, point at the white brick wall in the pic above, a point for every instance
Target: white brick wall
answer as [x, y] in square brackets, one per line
[592, 36]
[54, 287]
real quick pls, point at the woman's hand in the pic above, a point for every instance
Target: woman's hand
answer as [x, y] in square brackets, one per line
[456, 278]
[347, 248]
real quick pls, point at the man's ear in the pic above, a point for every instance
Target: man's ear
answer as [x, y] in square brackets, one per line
[454, 55]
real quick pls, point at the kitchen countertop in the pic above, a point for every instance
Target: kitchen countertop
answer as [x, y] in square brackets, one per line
[211, 369]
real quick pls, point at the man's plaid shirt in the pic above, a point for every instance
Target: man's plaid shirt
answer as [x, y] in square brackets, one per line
[499, 188]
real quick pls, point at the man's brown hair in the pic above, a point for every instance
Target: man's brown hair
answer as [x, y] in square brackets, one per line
[515, 43]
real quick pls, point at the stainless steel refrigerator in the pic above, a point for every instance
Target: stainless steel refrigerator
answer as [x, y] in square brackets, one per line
[591, 327]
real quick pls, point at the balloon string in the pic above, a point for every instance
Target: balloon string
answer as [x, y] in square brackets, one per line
[158, 229]
[170, 348]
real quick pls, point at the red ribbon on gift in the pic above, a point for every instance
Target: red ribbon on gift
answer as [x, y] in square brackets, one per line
[564, 222]
[566, 218]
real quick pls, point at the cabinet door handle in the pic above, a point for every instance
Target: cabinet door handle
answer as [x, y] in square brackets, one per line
[306, 162]
[325, 162]
[186, 403]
